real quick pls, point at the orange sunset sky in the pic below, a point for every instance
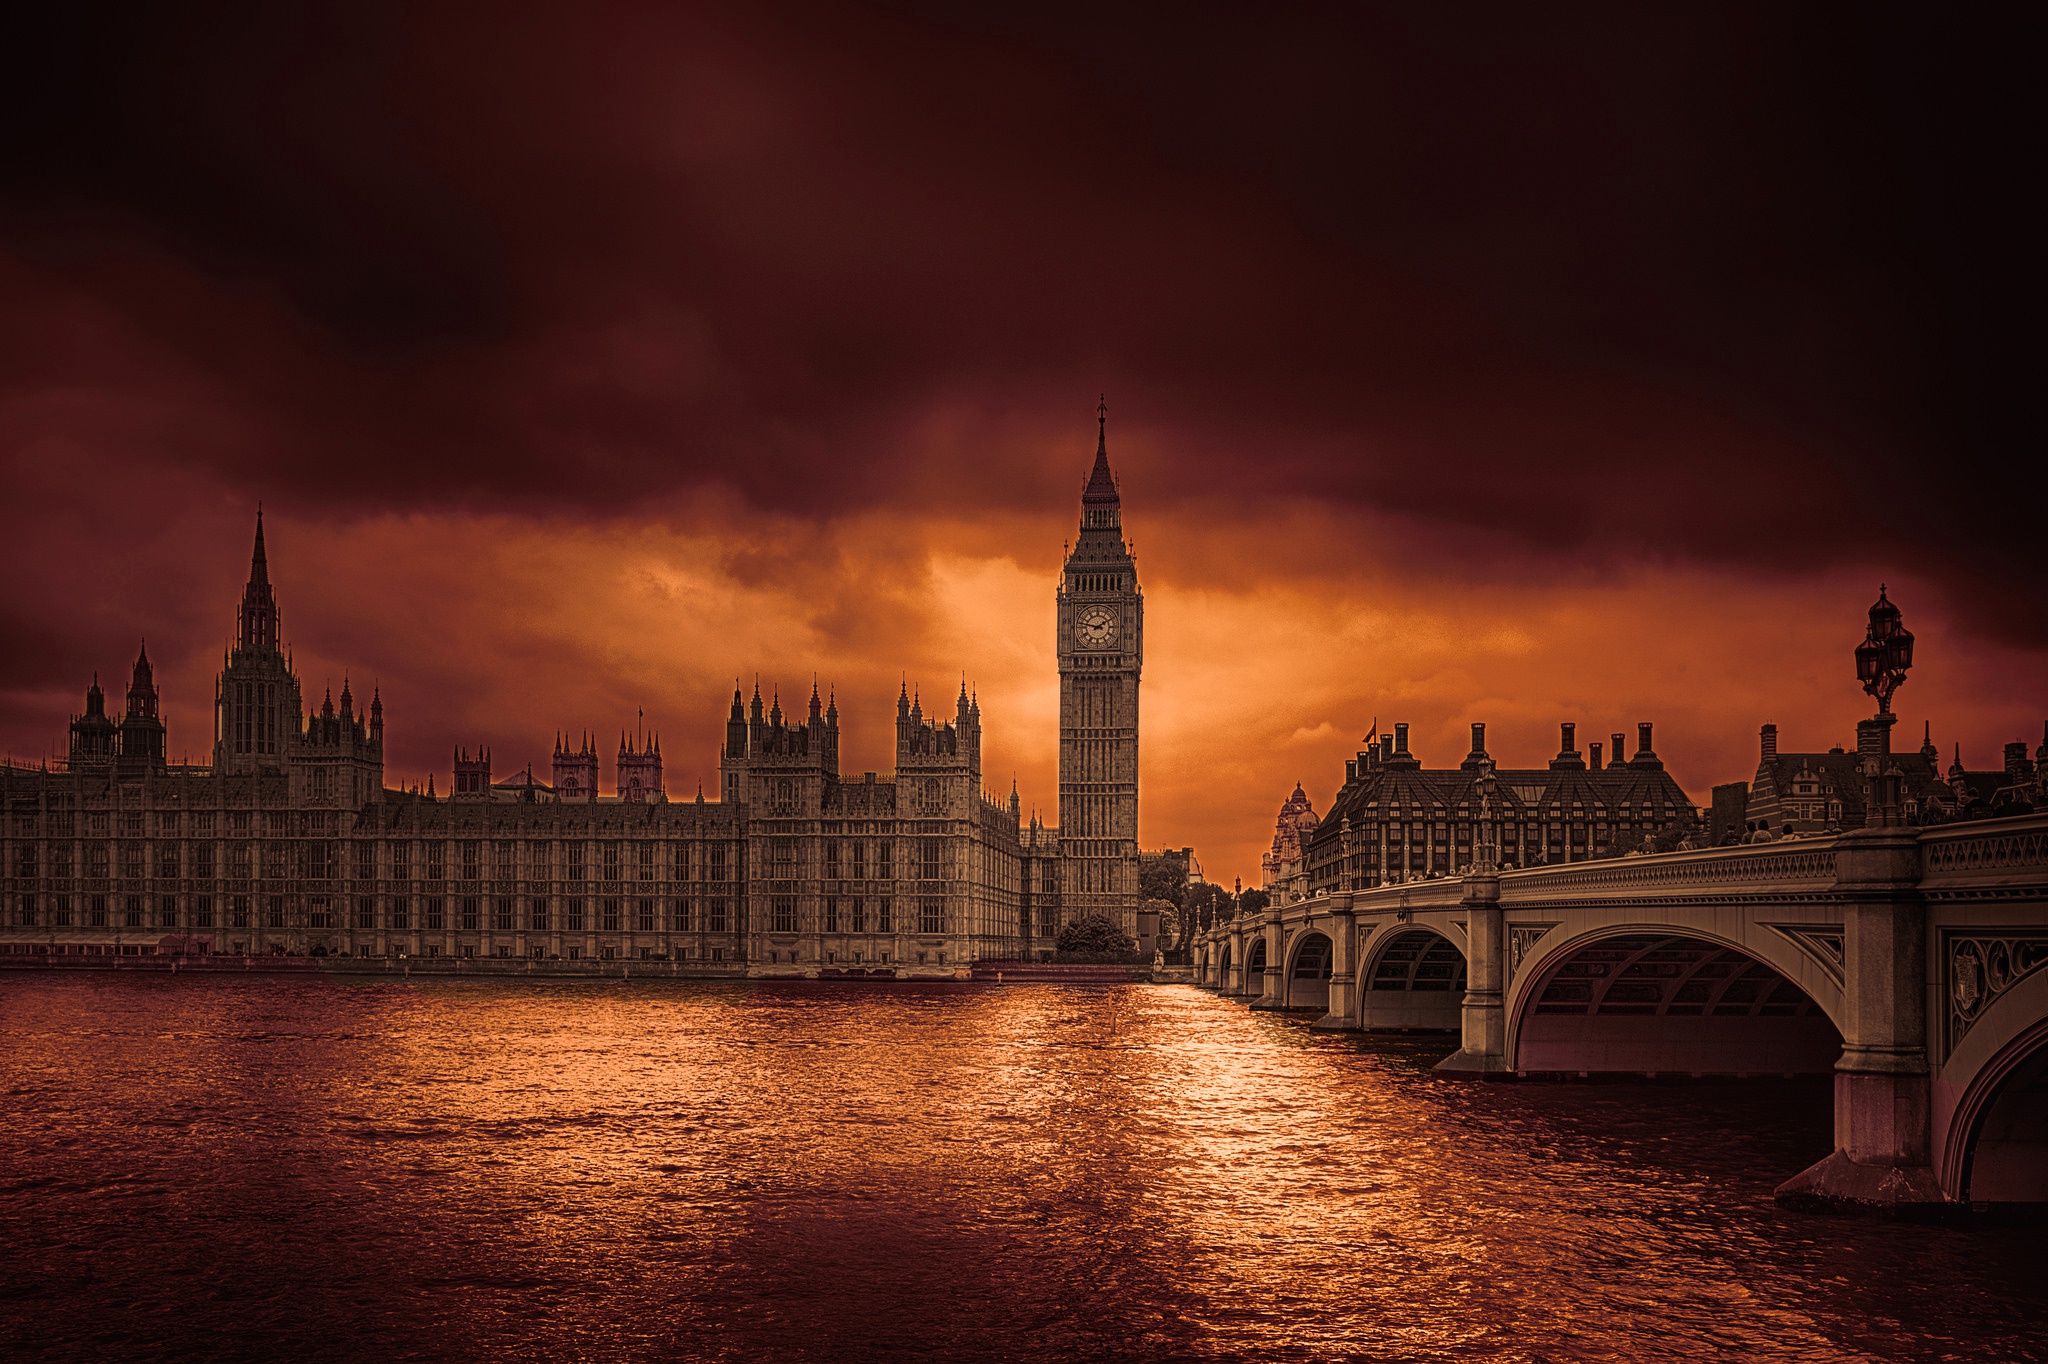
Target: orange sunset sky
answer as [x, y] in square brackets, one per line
[1588, 366]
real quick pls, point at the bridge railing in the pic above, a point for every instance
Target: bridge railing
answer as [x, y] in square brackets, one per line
[2009, 853]
[1807, 863]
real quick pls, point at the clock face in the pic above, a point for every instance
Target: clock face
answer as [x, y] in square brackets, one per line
[1095, 627]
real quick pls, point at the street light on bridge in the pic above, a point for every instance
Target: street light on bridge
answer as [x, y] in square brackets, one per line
[1885, 653]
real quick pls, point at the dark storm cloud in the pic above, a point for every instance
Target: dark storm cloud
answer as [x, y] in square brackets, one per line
[1735, 286]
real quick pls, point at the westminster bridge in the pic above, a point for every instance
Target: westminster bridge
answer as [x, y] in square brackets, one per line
[1907, 962]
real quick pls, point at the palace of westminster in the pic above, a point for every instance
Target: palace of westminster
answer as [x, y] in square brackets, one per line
[289, 842]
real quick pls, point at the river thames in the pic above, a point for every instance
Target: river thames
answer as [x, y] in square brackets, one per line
[316, 1168]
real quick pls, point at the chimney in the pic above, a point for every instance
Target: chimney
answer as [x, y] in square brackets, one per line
[1616, 747]
[1567, 754]
[1643, 749]
[1770, 741]
[1477, 756]
[1593, 755]
[1401, 739]
[1350, 770]
[1386, 747]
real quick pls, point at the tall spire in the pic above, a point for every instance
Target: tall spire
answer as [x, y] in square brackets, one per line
[1101, 507]
[259, 565]
[259, 603]
[1101, 489]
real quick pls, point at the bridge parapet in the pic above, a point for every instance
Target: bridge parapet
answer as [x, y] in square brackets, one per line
[1807, 865]
[1410, 895]
[2010, 857]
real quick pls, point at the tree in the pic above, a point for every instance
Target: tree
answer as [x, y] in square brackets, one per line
[1162, 875]
[1094, 938]
[1253, 902]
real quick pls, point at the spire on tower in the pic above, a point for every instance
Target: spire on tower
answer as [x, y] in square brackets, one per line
[259, 565]
[1101, 489]
[259, 603]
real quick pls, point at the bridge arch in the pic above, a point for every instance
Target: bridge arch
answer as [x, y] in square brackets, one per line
[1220, 977]
[1255, 965]
[1996, 1146]
[1306, 982]
[1665, 1000]
[1413, 978]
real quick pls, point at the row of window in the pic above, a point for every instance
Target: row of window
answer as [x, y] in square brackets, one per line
[856, 914]
[436, 913]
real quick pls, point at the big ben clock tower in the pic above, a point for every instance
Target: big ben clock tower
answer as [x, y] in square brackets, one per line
[1101, 651]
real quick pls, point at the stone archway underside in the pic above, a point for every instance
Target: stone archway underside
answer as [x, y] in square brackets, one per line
[1308, 981]
[2008, 1161]
[1665, 1003]
[1417, 981]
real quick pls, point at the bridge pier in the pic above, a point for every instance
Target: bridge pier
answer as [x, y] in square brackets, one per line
[1273, 990]
[1483, 1022]
[1340, 1013]
[1237, 984]
[1882, 1091]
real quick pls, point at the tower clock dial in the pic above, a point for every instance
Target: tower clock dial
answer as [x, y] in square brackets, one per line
[1095, 627]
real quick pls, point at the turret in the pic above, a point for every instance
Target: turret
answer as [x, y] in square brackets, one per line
[736, 726]
[575, 770]
[639, 769]
[142, 730]
[94, 737]
[258, 719]
[472, 775]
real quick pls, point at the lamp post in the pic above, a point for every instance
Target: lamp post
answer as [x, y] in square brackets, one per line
[1881, 663]
[1885, 653]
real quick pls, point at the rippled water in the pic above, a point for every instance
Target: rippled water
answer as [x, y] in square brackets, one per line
[598, 1170]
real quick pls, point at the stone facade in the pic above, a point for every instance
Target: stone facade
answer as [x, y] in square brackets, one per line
[1395, 820]
[1283, 875]
[1101, 642]
[289, 842]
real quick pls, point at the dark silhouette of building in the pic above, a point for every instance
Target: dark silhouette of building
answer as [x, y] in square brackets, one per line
[289, 841]
[1396, 820]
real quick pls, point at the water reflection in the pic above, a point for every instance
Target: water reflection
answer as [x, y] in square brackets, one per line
[465, 1169]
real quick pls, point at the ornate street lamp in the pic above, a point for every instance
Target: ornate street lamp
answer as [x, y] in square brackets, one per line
[1885, 653]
